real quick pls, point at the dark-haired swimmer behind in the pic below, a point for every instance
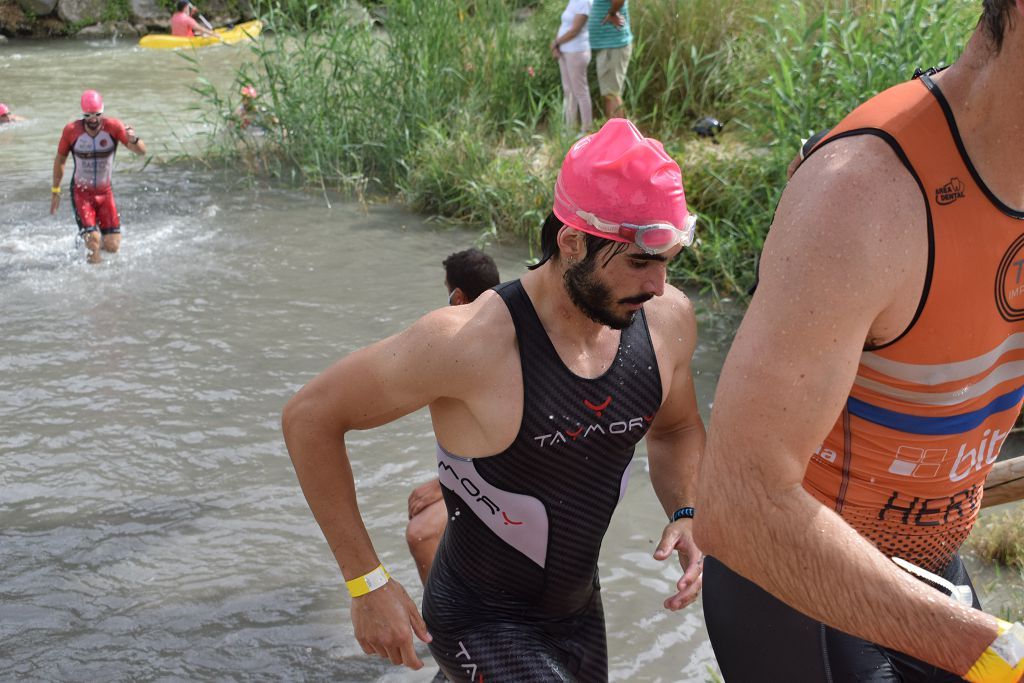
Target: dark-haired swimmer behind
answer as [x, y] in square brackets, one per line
[538, 394]
[467, 275]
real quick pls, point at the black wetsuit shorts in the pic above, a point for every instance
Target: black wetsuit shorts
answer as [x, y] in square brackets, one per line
[757, 637]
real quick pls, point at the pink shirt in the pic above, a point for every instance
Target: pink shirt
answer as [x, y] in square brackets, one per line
[183, 25]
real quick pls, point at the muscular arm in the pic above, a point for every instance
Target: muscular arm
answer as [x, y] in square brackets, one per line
[368, 388]
[676, 438]
[834, 269]
[675, 443]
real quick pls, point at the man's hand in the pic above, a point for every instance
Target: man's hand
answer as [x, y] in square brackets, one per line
[54, 202]
[384, 621]
[423, 496]
[679, 536]
[614, 18]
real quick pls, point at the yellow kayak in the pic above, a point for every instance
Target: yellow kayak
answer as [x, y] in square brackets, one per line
[229, 36]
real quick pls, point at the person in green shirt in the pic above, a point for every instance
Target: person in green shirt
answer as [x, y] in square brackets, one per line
[611, 43]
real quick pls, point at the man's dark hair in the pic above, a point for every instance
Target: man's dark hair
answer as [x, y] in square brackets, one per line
[996, 18]
[472, 271]
[549, 243]
[182, 4]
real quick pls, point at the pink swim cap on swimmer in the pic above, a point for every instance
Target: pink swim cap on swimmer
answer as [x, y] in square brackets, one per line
[249, 91]
[618, 176]
[4, 111]
[92, 103]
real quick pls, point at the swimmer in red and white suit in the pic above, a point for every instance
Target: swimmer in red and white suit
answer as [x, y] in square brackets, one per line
[93, 141]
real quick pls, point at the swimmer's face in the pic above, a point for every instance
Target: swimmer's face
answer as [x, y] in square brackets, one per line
[612, 291]
[92, 121]
[5, 118]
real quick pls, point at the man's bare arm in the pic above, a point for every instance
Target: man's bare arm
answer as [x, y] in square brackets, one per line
[676, 438]
[675, 443]
[366, 389]
[58, 175]
[834, 266]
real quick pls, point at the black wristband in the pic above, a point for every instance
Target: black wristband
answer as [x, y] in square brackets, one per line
[682, 513]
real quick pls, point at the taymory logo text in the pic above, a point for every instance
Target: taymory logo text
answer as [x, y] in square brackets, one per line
[584, 431]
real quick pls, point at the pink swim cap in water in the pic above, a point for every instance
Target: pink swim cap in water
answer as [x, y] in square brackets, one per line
[249, 91]
[4, 111]
[619, 185]
[92, 103]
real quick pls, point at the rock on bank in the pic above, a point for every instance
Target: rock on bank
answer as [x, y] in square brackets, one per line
[100, 18]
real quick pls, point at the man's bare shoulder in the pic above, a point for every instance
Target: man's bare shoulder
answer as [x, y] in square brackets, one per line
[672, 321]
[852, 209]
[849, 240]
[851, 189]
[477, 329]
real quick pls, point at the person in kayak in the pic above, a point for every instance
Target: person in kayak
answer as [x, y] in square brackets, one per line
[184, 24]
[93, 141]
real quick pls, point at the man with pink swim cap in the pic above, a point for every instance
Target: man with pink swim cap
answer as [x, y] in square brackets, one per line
[539, 392]
[6, 116]
[93, 141]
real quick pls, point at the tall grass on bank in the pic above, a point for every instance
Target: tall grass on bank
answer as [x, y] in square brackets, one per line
[357, 101]
[801, 68]
[455, 104]
[999, 540]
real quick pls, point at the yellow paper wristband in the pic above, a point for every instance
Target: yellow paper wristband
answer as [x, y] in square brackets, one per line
[55, 189]
[1003, 660]
[368, 582]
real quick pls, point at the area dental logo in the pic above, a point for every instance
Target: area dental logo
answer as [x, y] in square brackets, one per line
[950, 192]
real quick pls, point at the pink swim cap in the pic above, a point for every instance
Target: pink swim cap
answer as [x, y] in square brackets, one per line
[617, 176]
[92, 103]
[4, 110]
[249, 91]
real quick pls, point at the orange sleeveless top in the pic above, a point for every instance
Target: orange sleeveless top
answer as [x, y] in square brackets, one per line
[928, 412]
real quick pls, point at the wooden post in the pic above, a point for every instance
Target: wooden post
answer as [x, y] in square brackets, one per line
[1005, 483]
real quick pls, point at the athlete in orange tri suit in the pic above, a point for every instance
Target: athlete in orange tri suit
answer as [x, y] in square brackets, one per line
[875, 376]
[93, 141]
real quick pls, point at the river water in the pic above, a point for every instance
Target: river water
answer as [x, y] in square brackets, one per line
[152, 528]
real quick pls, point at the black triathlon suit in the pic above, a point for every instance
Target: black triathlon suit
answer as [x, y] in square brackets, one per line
[513, 593]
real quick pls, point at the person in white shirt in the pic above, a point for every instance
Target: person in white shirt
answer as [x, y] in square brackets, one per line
[571, 47]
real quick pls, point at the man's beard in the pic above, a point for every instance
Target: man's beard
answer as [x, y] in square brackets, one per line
[594, 299]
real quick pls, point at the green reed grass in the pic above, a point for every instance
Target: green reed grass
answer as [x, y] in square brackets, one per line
[999, 538]
[455, 104]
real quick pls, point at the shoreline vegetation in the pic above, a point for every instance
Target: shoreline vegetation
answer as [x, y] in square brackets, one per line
[454, 106]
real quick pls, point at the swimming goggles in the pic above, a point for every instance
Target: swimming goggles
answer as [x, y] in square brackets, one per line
[654, 238]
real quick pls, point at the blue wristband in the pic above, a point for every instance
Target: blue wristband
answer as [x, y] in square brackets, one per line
[682, 513]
